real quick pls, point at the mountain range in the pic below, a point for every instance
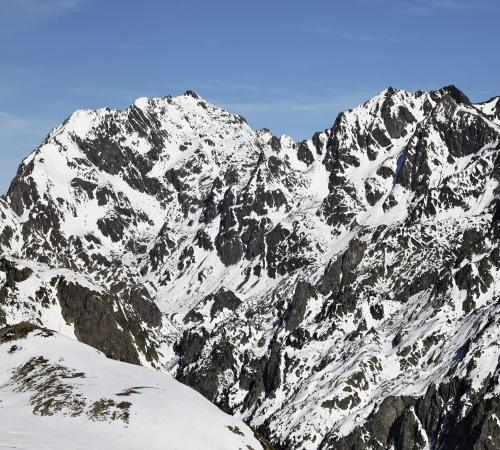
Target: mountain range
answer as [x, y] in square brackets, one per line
[335, 293]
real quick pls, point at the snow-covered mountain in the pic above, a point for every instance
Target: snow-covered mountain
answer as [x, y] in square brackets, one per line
[339, 292]
[57, 393]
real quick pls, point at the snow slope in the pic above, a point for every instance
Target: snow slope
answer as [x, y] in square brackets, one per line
[57, 393]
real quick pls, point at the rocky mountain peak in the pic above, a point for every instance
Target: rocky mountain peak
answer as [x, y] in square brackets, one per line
[456, 94]
[327, 290]
[192, 94]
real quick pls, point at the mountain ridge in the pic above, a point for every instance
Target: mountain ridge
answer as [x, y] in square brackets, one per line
[300, 285]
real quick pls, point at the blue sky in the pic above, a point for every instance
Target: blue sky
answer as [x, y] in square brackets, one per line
[287, 65]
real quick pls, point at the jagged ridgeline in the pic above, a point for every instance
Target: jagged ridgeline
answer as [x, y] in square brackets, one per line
[336, 293]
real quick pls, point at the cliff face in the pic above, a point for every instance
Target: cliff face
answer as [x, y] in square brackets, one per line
[339, 292]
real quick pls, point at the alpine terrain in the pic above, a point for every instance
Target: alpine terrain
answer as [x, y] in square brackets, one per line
[342, 292]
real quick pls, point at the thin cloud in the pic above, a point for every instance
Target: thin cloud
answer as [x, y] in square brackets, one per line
[16, 15]
[122, 96]
[12, 125]
[280, 106]
[230, 86]
[333, 103]
[38, 8]
[6, 91]
[360, 37]
[453, 4]
[437, 6]
[133, 47]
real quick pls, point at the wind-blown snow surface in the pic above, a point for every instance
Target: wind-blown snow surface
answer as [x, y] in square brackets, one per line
[329, 291]
[57, 393]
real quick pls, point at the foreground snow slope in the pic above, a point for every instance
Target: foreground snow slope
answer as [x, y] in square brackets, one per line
[56, 393]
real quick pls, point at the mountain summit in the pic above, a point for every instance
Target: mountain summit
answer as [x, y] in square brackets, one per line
[335, 293]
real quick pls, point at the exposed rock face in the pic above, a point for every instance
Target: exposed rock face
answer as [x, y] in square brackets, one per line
[298, 305]
[20, 331]
[451, 415]
[13, 273]
[98, 321]
[224, 300]
[340, 292]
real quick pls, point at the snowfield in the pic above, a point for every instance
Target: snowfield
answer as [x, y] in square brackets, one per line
[59, 394]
